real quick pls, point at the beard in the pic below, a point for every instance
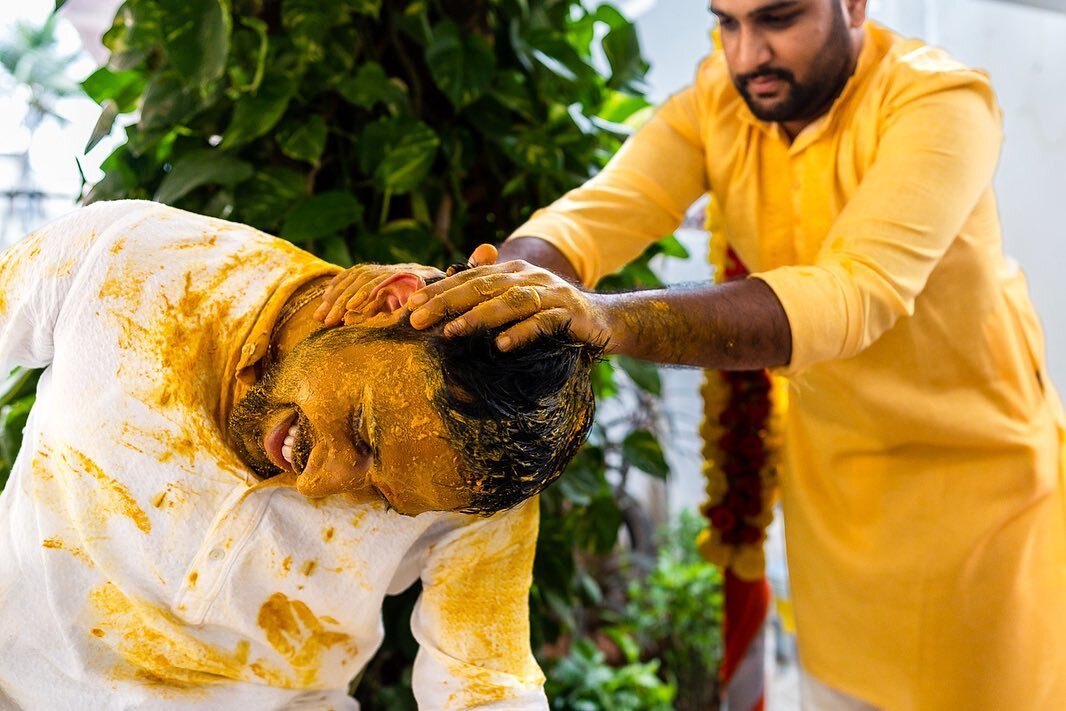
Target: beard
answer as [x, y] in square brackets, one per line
[246, 428]
[806, 101]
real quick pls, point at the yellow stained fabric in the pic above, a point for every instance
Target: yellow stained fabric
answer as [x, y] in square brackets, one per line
[923, 492]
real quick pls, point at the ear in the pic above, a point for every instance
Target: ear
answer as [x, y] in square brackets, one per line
[391, 294]
[856, 12]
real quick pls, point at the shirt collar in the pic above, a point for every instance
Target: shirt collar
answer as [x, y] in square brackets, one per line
[240, 374]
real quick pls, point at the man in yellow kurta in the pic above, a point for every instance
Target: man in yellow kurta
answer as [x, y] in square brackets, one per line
[923, 486]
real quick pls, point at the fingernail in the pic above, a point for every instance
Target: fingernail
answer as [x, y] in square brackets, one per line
[503, 343]
[455, 328]
[417, 317]
[416, 300]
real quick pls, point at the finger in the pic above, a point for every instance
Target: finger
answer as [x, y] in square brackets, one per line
[425, 294]
[515, 304]
[483, 254]
[461, 298]
[540, 324]
[352, 297]
[336, 286]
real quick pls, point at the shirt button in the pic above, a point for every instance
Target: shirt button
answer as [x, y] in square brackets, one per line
[216, 554]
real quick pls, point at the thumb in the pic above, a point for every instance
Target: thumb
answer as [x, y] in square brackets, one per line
[483, 254]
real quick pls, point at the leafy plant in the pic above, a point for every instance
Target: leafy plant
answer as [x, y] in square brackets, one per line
[17, 393]
[408, 130]
[583, 681]
[675, 614]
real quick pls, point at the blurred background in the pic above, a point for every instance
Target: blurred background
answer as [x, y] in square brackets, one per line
[46, 122]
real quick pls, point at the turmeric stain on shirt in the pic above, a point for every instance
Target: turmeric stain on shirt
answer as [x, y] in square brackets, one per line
[301, 637]
[156, 648]
[57, 543]
[115, 498]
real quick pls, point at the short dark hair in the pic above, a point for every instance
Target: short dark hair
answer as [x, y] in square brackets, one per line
[516, 417]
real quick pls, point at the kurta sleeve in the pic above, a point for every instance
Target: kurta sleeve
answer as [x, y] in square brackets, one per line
[639, 197]
[472, 618]
[36, 274]
[935, 160]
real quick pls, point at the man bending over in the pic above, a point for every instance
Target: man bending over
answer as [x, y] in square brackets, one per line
[159, 548]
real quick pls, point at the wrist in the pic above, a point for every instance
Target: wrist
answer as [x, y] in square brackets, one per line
[609, 328]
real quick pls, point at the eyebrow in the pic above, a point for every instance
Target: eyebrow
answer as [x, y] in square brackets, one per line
[762, 10]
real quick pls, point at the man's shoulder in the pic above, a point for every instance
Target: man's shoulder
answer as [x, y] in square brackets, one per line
[909, 69]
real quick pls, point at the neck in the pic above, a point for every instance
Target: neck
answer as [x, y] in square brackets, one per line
[295, 321]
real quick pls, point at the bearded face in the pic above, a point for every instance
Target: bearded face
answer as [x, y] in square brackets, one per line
[788, 60]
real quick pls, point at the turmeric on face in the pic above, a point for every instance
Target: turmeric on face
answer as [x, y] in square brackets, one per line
[351, 413]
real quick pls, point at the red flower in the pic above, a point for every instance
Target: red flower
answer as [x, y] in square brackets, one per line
[722, 518]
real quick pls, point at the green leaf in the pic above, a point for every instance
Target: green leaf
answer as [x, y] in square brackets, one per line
[366, 7]
[603, 384]
[335, 251]
[108, 113]
[672, 247]
[622, 47]
[642, 450]
[265, 198]
[643, 373]
[135, 32]
[197, 35]
[306, 24]
[321, 215]
[123, 88]
[19, 383]
[461, 65]
[397, 153]
[167, 103]
[203, 167]
[12, 422]
[257, 113]
[305, 141]
[371, 86]
[618, 106]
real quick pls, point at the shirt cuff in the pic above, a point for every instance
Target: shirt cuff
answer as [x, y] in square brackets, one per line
[816, 305]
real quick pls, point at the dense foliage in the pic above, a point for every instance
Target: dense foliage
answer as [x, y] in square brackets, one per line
[402, 131]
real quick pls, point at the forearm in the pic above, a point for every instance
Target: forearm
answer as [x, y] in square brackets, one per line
[736, 326]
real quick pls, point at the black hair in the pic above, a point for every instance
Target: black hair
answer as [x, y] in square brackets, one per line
[516, 417]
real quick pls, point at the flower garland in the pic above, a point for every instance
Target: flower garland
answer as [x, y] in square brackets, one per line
[742, 436]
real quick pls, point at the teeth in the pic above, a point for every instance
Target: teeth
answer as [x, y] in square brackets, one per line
[290, 441]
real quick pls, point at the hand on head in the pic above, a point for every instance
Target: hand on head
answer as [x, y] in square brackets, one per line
[535, 300]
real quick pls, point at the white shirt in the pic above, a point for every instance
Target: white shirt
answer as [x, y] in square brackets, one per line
[141, 564]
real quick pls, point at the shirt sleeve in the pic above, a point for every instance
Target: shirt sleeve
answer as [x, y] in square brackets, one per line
[639, 197]
[36, 274]
[472, 618]
[935, 159]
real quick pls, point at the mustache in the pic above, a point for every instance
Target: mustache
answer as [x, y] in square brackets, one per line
[784, 74]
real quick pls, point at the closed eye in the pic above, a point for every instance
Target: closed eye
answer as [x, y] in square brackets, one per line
[357, 427]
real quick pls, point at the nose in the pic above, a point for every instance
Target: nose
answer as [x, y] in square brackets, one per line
[752, 51]
[391, 294]
[335, 466]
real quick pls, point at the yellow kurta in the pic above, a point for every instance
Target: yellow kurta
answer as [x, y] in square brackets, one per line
[923, 486]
